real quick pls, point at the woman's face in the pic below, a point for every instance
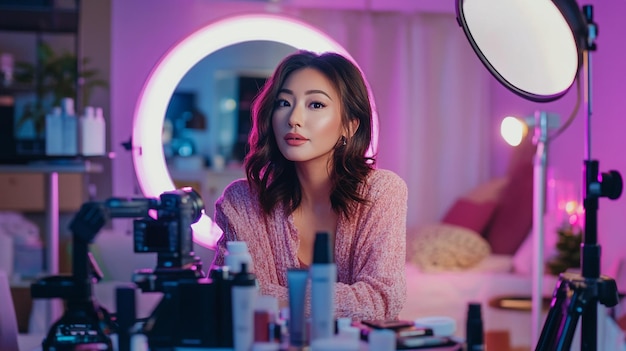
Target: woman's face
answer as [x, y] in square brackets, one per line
[307, 117]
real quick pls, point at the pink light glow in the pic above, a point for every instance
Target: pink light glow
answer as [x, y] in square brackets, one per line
[148, 157]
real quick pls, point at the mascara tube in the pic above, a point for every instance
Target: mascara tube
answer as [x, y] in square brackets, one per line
[323, 277]
[474, 328]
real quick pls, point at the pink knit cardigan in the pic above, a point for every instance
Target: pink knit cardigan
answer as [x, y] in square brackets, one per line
[370, 247]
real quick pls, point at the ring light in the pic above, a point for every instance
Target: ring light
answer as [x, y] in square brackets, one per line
[533, 47]
[148, 157]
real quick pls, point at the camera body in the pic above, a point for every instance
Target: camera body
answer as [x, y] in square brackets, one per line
[170, 234]
[164, 228]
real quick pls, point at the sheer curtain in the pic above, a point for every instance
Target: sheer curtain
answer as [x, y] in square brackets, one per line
[432, 97]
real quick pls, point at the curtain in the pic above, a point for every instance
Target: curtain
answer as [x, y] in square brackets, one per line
[432, 98]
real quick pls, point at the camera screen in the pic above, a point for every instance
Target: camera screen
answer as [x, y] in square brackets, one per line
[153, 236]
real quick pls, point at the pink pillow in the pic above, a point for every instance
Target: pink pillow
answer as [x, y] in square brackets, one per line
[513, 217]
[470, 214]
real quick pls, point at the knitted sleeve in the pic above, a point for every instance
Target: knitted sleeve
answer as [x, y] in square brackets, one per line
[378, 282]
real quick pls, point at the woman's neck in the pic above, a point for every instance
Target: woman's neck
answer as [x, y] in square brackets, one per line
[315, 184]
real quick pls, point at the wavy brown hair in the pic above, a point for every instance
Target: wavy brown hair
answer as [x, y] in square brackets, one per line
[272, 175]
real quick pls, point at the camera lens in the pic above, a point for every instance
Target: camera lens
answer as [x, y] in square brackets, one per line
[196, 203]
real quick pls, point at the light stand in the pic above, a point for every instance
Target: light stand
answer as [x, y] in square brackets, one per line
[539, 195]
[542, 122]
[577, 295]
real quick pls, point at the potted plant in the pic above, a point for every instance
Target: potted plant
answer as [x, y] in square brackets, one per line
[54, 76]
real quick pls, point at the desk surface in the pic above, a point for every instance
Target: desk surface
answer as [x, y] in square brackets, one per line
[29, 342]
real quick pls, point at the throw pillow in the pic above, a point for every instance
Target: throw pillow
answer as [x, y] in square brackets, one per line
[440, 247]
[474, 209]
[513, 216]
[469, 214]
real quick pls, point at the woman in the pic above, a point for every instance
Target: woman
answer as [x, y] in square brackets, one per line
[307, 172]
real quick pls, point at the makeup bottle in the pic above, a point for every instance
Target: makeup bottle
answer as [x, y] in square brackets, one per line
[54, 132]
[244, 294]
[221, 278]
[70, 127]
[323, 277]
[91, 128]
[126, 306]
[237, 253]
[474, 328]
[100, 143]
[297, 281]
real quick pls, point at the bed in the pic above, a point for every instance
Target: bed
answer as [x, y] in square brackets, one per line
[449, 293]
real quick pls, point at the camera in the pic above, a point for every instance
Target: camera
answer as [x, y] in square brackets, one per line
[161, 226]
[169, 235]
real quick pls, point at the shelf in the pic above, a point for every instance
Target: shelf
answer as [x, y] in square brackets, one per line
[49, 20]
[58, 166]
[16, 88]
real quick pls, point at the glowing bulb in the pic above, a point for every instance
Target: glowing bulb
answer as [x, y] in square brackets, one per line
[513, 130]
[571, 207]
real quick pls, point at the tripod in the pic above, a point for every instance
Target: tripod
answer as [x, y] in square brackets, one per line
[577, 295]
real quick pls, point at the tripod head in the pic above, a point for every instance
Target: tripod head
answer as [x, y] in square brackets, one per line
[597, 185]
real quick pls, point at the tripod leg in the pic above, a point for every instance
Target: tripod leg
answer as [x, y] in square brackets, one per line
[552, 325]
[577, 304]
[589, 331]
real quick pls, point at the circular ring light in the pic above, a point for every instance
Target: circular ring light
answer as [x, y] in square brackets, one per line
[148, 157]
[533, 47]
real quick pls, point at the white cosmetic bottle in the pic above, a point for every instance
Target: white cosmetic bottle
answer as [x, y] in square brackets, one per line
[92, 132]
[323, 273]
[100, 143]
[70, 128]
[244, 293]
[237, 253]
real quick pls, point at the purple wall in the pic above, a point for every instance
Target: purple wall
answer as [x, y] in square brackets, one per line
[608, 122]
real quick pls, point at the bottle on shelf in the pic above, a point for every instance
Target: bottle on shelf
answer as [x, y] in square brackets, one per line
[54, 132]
[70, 127]
[92, 131]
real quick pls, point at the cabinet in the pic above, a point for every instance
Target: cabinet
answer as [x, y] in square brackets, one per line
[35, 187]
[54, 72]
[30, 181]
[25, 192]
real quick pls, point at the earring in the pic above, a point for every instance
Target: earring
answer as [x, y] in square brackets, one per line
[345, 140]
